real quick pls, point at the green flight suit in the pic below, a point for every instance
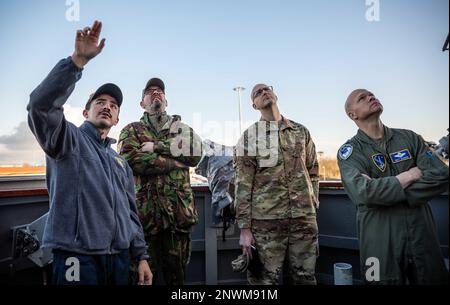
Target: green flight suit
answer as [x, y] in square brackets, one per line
[395, 225]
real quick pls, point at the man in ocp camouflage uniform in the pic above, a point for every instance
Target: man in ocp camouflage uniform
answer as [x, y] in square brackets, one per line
[276, 195]
[391, 174]
[160, 149]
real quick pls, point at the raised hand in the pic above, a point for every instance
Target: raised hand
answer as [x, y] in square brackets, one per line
[87, 45]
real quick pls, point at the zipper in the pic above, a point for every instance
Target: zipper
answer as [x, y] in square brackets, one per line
[77, 232]
[114, 201]
[395, 172]
[282, 145]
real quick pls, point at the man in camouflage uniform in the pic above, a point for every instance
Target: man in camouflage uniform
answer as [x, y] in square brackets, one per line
[160, 149]
[276, 195]
[391, 174]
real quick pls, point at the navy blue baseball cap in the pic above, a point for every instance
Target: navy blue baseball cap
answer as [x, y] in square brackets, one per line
[110, 89]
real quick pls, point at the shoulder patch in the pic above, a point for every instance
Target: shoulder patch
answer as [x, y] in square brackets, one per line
[345, 151]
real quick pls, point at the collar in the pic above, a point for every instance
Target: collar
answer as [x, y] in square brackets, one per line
[362, 136]
[89, 129]
[286, 124]
[282, 125]
[146, 119]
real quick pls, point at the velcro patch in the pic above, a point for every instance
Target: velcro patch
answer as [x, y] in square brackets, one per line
[345, 151]
[380, 161]
[400, 156]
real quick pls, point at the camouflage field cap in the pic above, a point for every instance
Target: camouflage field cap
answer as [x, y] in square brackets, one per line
[240, 264]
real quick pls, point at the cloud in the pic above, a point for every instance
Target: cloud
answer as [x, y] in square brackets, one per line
[20, 146]
[74, 114]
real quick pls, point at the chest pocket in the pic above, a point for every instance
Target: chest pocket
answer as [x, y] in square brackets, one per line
[269, 158]
[293, 146]
[298, 154]
[268, 150]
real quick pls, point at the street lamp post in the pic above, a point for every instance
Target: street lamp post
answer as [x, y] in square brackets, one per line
[239, 90]
[320, 153]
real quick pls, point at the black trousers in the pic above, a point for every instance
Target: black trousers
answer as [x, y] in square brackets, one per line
[78, 269]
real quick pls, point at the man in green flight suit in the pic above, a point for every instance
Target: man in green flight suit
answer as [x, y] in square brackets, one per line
[160, 149]
[391, 174]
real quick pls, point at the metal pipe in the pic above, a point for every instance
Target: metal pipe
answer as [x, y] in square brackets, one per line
[239, 90]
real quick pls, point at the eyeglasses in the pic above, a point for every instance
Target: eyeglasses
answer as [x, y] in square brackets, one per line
[261, 90]
[152, 90]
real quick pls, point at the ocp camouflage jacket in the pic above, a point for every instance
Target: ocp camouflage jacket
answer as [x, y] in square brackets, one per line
[281, 182]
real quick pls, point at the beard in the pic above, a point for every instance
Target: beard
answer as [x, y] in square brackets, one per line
[155, 106]
[267, 103]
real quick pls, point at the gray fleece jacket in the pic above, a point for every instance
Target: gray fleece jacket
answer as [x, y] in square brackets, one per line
[91, 188]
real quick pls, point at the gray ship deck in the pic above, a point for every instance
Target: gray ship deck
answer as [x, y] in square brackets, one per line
[25, 199]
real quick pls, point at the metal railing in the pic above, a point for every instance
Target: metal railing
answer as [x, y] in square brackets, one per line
[22, 201]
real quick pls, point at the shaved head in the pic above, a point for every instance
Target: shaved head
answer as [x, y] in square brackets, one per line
[256, 87]
[352, 97]
[362, 105]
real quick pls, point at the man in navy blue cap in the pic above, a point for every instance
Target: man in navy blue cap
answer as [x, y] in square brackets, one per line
[92, 226]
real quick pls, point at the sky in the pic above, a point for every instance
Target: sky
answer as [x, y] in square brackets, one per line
[313, 53]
